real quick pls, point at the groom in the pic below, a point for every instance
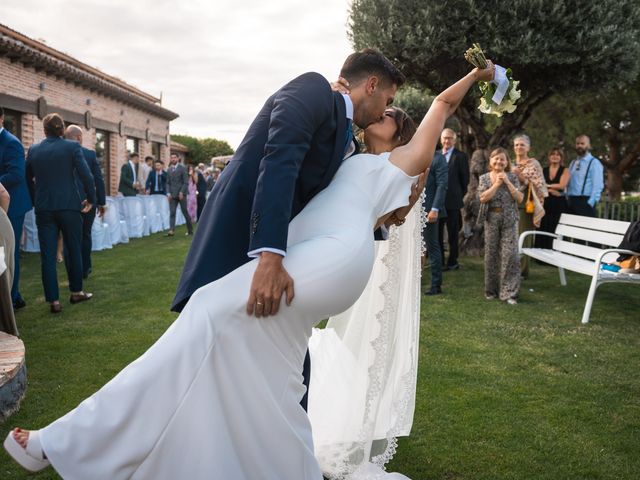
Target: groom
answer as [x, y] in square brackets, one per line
[291, 152]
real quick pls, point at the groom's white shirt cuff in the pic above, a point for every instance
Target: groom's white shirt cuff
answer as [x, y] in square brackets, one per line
[256, 253]
[349, 114]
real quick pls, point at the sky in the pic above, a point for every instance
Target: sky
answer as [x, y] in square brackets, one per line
[214, 61]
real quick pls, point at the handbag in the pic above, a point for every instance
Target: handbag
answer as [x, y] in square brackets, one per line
[529, 206]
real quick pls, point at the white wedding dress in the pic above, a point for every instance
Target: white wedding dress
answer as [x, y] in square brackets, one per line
[217, 396]
[365, 364]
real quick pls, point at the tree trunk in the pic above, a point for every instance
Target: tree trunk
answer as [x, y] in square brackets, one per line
[614, 183]
[472, 238]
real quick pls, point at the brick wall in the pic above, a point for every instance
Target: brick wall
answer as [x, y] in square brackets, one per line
[25, 83]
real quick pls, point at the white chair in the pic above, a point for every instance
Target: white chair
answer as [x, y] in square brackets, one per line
[132, 212]
[117, 226]
[162, 205]
[151, 211]
[100, 235]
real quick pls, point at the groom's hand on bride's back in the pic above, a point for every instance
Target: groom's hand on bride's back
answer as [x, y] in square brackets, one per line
[270, 281]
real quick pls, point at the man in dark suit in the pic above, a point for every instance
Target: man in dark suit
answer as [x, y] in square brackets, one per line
[157, 180]
[177, 190]
[291, 152]
[74, 133]
[129, 184]
[458, 164]
[434, 198]
[12, 165]
[52, 168]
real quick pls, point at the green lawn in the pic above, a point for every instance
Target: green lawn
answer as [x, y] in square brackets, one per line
[504, 392]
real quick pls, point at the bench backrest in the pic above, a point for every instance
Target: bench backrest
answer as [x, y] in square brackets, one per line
[608, 233]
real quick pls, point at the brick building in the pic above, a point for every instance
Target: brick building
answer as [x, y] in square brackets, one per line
[36, 80]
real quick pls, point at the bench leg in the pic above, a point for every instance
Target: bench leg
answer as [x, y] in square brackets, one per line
[590, 296]
[563, 278]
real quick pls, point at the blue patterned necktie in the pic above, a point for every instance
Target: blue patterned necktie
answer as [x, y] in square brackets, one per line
[348, 136]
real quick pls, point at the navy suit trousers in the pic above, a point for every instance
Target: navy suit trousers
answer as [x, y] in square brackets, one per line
[49, 223]
[452, 222]
[87, 225]
[431, 240]
[17, 221]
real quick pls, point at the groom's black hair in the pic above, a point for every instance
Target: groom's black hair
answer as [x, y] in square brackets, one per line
[367, 62]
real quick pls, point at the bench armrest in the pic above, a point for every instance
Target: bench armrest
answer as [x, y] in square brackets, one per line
[611, 250]
[523, 235]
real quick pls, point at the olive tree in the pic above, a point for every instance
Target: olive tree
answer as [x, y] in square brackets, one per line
[562, 47]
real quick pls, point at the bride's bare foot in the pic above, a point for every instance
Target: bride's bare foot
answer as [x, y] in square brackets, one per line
[25, 448]
[21, 436]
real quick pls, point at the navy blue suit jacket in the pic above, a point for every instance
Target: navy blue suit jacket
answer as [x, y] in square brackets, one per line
[151, 183]
[435, 189]
[52, 167]
[291, 152]
[98, 180]
[12, 173]
[458, 179]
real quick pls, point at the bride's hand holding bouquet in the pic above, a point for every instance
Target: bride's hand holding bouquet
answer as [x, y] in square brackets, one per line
[499, 94]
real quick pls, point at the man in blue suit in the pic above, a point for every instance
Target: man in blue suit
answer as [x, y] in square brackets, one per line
[52, 168]
[157, 180]
[74, 133]
[435, 193]
[291, 152]
[12, 165]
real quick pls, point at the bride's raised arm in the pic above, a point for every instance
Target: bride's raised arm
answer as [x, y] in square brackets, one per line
[415, 157]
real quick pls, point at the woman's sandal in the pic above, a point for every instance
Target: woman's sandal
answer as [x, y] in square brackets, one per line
[31, 458]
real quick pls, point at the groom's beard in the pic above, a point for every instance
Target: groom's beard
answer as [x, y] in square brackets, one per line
[581, 152]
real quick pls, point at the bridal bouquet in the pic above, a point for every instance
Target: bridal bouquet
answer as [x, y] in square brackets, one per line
[500, 94]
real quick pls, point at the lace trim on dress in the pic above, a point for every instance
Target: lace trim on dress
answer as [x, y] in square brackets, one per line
[402, 263]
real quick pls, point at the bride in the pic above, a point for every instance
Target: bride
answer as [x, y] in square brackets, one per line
[218, 395]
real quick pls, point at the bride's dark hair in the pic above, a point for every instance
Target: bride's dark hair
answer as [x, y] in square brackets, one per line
[405, 126]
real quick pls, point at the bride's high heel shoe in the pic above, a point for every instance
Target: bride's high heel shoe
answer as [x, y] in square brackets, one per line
[31, 458]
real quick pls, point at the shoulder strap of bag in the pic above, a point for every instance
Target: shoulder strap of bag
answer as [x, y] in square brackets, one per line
[586, 174]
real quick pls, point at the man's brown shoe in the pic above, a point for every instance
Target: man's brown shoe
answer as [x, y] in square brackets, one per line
[56, 308]
[80, 297]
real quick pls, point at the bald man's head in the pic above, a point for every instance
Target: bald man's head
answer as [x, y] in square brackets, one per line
[74, 133]
[583, 144]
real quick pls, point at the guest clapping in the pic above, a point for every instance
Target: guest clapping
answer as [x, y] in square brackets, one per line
[533, 187]
[557, 177]
[52, 166]
[129, 183]
[157, 180]
[499, 190]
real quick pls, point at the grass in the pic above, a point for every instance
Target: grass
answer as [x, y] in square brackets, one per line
[504, 392]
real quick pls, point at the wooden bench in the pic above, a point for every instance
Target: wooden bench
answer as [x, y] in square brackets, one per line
[585, 259]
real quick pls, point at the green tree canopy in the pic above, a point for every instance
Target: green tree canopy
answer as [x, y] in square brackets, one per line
[201, 150]
[552, 46]
[611, 118]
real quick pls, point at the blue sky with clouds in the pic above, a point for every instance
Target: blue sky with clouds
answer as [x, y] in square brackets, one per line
[214, 61]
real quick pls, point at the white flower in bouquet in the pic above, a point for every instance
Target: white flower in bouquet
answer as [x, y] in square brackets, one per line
[501, 94]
